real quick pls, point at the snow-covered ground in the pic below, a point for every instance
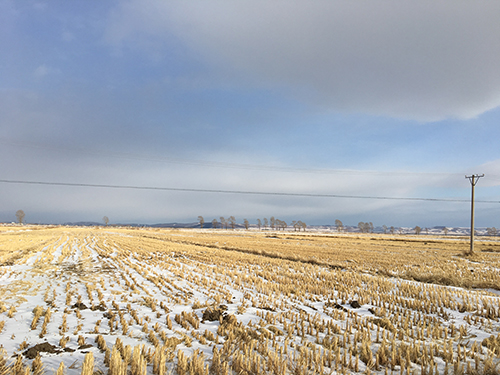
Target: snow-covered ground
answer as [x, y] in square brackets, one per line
[268, 315]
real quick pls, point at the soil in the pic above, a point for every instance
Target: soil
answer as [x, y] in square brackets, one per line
[339, 307]
[212, 314]
[99, 307]
[86, 346]
[79, 306]
[355, 305]
[45, 347]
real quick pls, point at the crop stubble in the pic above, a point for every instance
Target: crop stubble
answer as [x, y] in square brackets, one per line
[194, 302]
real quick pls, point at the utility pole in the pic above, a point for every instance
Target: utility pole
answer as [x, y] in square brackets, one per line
[473, 181]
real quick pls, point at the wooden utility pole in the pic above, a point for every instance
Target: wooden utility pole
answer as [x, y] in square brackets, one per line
[473, 180]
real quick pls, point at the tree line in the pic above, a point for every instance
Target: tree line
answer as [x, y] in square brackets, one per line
[298, 225]
[273, 223]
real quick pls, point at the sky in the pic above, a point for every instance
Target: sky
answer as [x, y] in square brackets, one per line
[355, 100]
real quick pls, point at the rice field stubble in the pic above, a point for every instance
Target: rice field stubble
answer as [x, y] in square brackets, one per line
[137, 301]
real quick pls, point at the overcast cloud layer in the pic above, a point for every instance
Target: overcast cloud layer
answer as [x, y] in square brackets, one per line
[367, 98]
[422, 60]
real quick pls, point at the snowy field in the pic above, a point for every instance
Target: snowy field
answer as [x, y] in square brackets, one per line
[137, 301]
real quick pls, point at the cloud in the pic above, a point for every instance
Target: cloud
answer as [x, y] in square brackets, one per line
[41, 71]
[45, 203]
[414, 60]
[491, 171]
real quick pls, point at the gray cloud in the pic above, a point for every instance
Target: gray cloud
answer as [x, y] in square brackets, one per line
[422, 60]
[59, 204]
[205, 81]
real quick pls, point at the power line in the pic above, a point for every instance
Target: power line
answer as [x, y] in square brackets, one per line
[218, 191]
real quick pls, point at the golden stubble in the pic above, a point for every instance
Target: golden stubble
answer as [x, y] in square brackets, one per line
[297, 287]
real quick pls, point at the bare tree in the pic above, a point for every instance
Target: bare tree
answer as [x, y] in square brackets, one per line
[491, 231]
[246, 224]
[303, 225]
[106, 220]
[280, 224]
[20, 216]
[365, 227]
[222, 222]
[276, 223]
[417, 230]
[266, 223]
[259, 223]
[214, 223]
[384, 227]
[339, 225]
[445, 230]
[232, 221]
[392, 230]
[201, 220]
[283, 224]
[361, 226]
[272, 221]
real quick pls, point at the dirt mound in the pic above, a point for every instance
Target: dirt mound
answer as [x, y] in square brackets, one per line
[45, 347]
[79, 306]
[355, 304]
[339, 307]
[229, 319]
[100, 307]
[219, 314]
[212, 314]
